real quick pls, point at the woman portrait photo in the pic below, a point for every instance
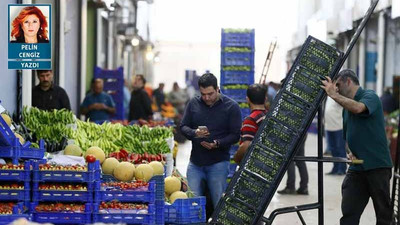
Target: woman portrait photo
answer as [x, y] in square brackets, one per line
[29, 26]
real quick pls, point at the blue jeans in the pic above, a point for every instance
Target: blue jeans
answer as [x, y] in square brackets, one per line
[336, 145]
[214, 176]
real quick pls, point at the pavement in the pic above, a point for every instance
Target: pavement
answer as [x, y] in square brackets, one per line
[332, 191]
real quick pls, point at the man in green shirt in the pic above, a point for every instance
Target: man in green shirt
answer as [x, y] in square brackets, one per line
[364, 132]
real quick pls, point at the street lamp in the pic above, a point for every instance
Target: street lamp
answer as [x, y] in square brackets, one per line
[135, 41]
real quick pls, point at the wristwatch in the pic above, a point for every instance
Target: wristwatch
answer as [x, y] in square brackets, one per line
[216, 143]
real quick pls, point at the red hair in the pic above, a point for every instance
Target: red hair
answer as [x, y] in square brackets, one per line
[17, 31]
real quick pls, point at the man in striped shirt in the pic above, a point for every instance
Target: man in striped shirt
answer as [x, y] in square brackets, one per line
[256, 97]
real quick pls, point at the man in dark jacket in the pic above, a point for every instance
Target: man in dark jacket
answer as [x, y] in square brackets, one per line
[140, 104]
[46, 95]
[212, 122]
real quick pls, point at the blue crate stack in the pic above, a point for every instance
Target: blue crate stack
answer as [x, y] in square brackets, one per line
[113, 85]
[237, 70]
[90, 178]
[17, 177]
[154, 197]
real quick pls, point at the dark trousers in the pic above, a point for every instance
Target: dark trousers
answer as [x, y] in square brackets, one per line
[358, 187]
[291, 172]
[336, 145]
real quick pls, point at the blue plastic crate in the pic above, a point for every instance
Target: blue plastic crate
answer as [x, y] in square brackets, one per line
[236, 77]
[62, 217]
[237, 39]
[186, 211]
[92, 174]
[238, 95]
[232, 169]
[124, 217]
[63, 196]
[245, 112]
[108, 74]
[126, 195]
[16, 194]
[18, 212]
[160, 186]
[237, 59]
[159, 181]
[16, 175]
[160, 212]
[233, 150]
[17, 151]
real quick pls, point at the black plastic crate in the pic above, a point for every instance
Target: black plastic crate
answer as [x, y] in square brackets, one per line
[233, 213]
[291, 111]
[276, 137]
[305, 84]
[249, 188]
[264, 163]
[319, 57]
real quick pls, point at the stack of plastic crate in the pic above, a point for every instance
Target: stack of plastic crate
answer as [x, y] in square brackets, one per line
[143, 201]
[14, 191]
[237, 64]
[237, 71]
[11, 147]
[64, 194]
[113, 85]
[278, 138]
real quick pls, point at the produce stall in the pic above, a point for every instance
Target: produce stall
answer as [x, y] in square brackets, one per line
[89, 173]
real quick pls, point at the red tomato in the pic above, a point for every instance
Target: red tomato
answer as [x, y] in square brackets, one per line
[90, 158]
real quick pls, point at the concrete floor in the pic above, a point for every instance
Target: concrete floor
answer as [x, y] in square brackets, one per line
[332, 194]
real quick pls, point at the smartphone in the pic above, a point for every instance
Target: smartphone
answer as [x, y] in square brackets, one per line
[203, 128]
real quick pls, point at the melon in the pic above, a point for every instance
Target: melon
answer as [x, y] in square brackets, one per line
[172, 184]
[21, 139]
[73, 149]
[109, 165]
[6, 118]
[144, 172]
[124, 171]
[177, 195]
[97, 152]
[158, 167]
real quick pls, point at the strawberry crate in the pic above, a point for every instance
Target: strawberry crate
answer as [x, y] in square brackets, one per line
[233, 39]
[124, 216]
[58, 192]
[237, 59]
[15, 191]
[186, 211]
[237, 77]
[66, 174]
[9, 172]
[16, 211]
[82, 216]
[143, 194]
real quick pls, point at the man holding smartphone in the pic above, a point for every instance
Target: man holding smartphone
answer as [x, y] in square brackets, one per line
[212, 122]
